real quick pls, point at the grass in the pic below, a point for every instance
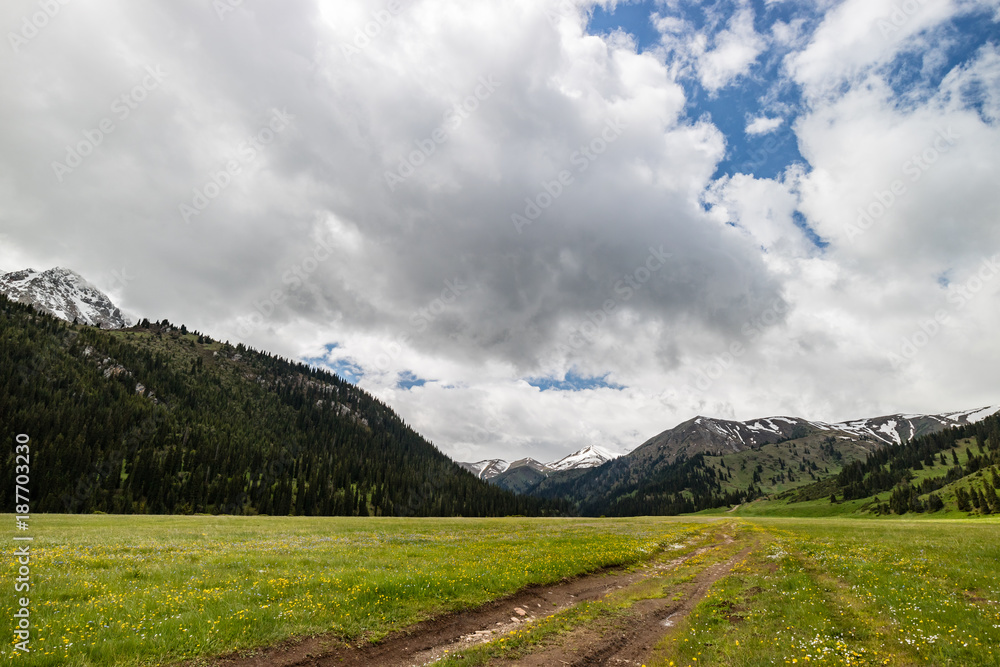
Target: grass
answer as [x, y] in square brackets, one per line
[113, 590]
[138, 590]
[785, 505]
[853, 592]
[786, 465]
[610, 612]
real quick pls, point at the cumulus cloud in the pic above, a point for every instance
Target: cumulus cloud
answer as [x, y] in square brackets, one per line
[451, 199]
[732, 51]
[763, 125]
[716, 55]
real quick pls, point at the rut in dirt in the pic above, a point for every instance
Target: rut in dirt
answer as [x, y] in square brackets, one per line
[632, 643]
[426, 642]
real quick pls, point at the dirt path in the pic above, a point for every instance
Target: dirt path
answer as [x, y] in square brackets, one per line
[631, 640]
[426, 642]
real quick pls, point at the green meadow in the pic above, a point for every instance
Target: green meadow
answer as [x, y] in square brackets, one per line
[138, 590]
[853, 592]
[128, 590]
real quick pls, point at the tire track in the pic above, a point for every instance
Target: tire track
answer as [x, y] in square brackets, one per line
[426, 642]
[632, 642]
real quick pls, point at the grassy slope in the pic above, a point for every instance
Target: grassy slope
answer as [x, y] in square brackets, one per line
[805, 452]
[786, 507]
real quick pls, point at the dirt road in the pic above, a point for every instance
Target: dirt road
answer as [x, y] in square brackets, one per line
[626, 639]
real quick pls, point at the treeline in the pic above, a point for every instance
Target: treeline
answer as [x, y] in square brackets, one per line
[892, 469]
[160, 420]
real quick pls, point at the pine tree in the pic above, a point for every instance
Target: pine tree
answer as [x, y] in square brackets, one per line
[963, 500]
[992, 500]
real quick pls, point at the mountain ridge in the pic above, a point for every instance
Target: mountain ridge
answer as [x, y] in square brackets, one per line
[158, 420]
[588, 457]
[703, 462]
[711, 435]
[64, 294]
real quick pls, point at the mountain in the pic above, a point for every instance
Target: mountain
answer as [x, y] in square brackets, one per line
[486, 469]
[588, 457]
[706, 462]
[155, 419]
[63, 294]
[710, 436]
[522, 476]
[953, 470]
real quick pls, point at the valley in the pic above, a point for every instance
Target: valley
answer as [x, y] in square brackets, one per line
[521, 333]
[241, 591]
[223, 507]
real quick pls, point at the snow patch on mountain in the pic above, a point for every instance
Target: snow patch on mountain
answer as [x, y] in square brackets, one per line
[980, 414]
[588, 457]
[64, 294]
[487, 469]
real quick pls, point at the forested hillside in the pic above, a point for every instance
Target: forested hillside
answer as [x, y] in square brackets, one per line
[804, 464]
[156, 419]
[955, 469]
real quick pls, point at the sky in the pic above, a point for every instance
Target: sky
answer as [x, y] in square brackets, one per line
[532, 226]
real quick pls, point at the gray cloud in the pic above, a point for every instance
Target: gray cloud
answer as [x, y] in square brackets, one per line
[307, 214]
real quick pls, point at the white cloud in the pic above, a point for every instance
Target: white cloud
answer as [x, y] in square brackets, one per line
[311, 219]
[763, 125]
[716, 58]
[732, 52]
[858, 35]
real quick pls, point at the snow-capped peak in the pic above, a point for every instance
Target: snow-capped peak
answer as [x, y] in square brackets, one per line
[588, 457]
[64, 294]
[487, 469]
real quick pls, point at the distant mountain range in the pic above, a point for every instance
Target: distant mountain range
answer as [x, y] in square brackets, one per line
[523, 475]
[707, 462]
[588, 457]
[705, 436]
[64, 294]
[719, 436]
[701, 463]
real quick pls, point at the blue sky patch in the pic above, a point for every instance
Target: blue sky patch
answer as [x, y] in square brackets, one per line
[573, 381]
[408, 380]
[345, 368]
